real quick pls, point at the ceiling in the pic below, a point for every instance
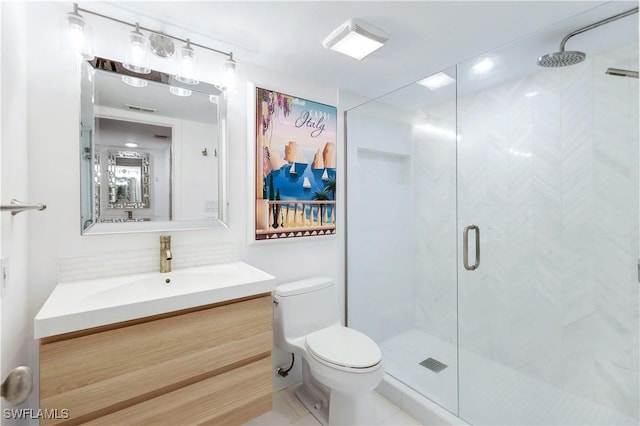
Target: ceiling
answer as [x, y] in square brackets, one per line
[424, 36]
[111, 92]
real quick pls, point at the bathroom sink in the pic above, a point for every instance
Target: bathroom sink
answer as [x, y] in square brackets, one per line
[79, 305]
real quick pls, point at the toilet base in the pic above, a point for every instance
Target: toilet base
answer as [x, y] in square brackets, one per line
[332, 407]
[319, 411]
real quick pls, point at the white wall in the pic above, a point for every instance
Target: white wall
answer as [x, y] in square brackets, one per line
[197, 185]
[15, 321]
[53, 100]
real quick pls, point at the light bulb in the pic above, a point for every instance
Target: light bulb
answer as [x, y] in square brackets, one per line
[229, 71]
[187, 65]
[136, 57]
[78, 34]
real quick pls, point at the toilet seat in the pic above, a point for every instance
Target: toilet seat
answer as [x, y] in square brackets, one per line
[343, 347]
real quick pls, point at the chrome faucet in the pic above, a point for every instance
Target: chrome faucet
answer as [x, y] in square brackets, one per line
[165, 253]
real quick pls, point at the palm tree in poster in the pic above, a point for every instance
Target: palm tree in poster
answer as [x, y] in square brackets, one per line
[321, 196]
[330, 186]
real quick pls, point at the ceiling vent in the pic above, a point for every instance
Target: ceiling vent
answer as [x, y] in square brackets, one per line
[141, 108]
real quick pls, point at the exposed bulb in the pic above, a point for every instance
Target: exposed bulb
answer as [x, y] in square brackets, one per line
[78, 39]
[187, 65]
[229, 72]
[136, 57]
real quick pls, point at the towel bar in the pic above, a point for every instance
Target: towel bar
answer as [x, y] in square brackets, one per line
[18, 206]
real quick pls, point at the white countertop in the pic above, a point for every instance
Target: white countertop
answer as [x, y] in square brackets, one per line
[78, 305]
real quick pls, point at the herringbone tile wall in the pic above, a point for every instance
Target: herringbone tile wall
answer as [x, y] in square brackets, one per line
[552, 180]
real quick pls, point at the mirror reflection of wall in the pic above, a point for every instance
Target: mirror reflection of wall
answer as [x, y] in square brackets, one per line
[184, 136]
[135, 170]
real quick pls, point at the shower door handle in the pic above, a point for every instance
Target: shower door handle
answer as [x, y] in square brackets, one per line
[465, 247]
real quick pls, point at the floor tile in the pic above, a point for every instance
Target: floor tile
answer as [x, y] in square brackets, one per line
[288, 410]
[306, 420]
[401, 418]
[384, 408]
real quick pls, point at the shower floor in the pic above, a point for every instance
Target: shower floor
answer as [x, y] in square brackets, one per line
[491, 393]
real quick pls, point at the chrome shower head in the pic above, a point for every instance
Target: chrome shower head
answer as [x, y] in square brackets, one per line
[563, 58]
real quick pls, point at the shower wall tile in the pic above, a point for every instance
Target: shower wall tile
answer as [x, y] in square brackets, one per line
[381, 259]
[552, 180]
[434, 180]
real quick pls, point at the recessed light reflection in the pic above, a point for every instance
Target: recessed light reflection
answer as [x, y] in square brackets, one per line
[531, 94]
[436, 81]
[134, 82]
[179, 91]
[483, 66]
[516, 153]
[131, 145]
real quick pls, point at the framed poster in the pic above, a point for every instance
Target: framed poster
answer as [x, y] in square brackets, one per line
[295, 168]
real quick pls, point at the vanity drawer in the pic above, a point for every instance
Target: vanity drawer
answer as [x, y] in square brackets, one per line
[234, 397]
[97, 374]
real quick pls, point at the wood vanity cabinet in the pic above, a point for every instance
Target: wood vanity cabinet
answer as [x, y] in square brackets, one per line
[206, 365]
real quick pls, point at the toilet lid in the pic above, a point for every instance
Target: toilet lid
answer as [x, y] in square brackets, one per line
[344, 346]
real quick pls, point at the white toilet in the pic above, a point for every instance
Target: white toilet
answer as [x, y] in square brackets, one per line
[341, 367]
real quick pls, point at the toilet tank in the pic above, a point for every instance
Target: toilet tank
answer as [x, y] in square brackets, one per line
[303, 307]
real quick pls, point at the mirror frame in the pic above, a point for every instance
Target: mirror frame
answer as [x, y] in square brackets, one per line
[90, 190]
[112, 165]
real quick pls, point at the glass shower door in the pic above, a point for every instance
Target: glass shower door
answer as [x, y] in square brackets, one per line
[401, 221]
[548, 181]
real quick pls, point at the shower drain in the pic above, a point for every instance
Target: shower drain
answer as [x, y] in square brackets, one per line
[433, 365]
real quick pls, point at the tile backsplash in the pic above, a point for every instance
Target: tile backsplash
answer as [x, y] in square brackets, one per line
[125, 262]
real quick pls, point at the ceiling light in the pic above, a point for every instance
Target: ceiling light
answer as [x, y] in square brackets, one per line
[483, 66]
[134, 81]
[437, 81]
[531, 94]
[131, 145]
[353, 40]
[187, 65]
[179, 91]
[136, 58]
[78, 37]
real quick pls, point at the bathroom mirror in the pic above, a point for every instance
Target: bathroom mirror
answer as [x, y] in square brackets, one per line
[152, 152]
[128, 180]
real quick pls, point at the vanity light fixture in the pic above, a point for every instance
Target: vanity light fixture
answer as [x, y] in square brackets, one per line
[136, 58]
[355, 38]
[229, 71]
[437, 81]
[187, 65]
[78, 37]
[160, 43]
